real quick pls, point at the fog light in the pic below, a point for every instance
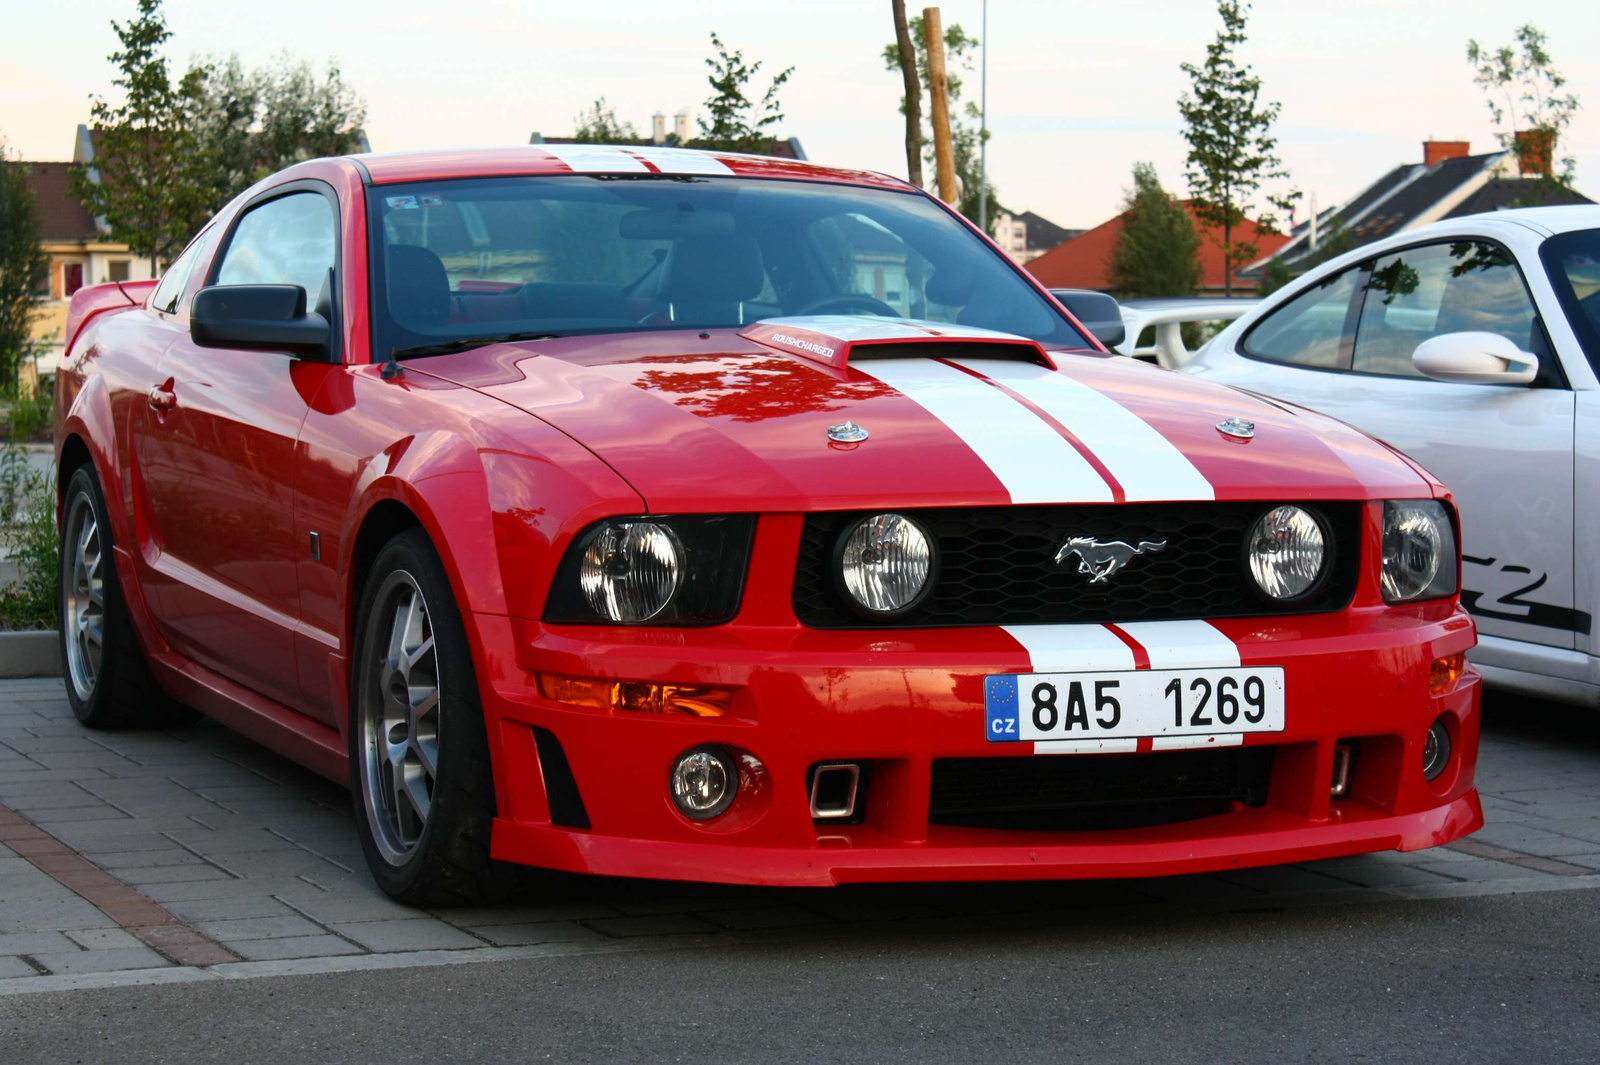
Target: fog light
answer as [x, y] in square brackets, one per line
[1446, 671]
[703, 783]
[1435, 750]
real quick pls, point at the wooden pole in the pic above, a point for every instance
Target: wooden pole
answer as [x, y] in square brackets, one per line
[939, 91]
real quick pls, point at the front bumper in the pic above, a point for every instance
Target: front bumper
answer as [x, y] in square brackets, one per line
[901, 700]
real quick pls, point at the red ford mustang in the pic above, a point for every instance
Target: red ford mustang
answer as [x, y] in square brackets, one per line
[671, 514]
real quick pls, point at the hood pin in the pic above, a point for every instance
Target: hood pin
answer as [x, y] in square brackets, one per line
[846, 433]
[1238, 428]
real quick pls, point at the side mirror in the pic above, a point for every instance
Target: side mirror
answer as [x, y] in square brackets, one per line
[1475, 359]
[1097, 311]
[259, 317]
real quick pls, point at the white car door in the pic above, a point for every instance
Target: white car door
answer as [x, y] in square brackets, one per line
[1506, 452]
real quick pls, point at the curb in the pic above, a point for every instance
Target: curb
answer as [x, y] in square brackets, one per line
[30, 653]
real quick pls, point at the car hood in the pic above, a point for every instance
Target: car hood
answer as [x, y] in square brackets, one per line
[718, 419]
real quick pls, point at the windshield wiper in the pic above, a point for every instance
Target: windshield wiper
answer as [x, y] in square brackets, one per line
[447, 347]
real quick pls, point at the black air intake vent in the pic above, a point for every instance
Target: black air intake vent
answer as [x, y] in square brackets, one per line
[952, 349]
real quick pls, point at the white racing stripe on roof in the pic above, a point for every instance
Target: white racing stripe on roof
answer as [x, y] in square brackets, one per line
[1182, 644]
[1034, 462]
[680, 160]
[595, 158]
[1145, 463]
[1072, 648]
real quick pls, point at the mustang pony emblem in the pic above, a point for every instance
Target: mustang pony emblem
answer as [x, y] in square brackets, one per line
[1099, 560]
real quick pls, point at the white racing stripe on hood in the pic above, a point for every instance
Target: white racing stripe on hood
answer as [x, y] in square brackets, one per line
[1035, 463]
[1146, 464]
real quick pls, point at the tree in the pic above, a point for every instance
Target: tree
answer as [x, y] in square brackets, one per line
[251, 124]
[150, 180]
[905, 54]
[1274, 276]
[967, 136]
[1535, 108]
[1156, 254]
[1232, 151]
[23, 264]
[599, 125]
[738, 123]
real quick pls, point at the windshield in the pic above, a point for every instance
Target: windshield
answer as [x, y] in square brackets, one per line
[1573, 262]
[481, 258]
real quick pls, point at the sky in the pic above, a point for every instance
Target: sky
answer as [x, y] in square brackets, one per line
[1077, 91]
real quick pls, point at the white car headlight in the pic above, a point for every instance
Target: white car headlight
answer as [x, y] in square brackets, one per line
[1287, 551]
[630, 570]
[885, 563]
[1419, 551]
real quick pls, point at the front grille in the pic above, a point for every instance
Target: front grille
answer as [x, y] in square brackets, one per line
[1096, 791]
[997, 566]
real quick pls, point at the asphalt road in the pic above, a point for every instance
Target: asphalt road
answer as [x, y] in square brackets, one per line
[1510, 978]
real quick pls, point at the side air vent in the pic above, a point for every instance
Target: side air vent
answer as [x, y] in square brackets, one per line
[560, 788]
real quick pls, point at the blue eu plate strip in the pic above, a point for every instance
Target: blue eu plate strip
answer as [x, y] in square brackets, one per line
[1000, 698]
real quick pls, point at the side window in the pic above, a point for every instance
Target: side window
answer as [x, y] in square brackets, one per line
[1420, 293]
[1307, 330]
[286, 241]
[176, 279]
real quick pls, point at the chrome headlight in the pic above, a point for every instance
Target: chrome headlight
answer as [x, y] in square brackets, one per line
[674, 570]
[630, 570]
[886, 561]
[1419, 551]
[1287, 551]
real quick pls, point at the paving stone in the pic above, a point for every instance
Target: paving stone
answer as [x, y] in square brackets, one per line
[171, 874]
[423, 933]
[102, 961]
[11, 966]
[523, 935]
[1377, 871]
[103, 938]
[278, 927]
[765, 917]
[194, 910]
[64, 911]
[118, 861]
[34, 942]
[493, 915]
[357, 906]
[665, 924]
[293, 947]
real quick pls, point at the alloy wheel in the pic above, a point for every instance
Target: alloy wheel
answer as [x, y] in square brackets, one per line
[84, 616]
[399, 709]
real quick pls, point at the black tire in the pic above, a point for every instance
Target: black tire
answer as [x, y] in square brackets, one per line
[114, 688]
[446, 862]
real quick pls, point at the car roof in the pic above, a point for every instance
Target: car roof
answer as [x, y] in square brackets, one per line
[1561, 219]
[388, 168]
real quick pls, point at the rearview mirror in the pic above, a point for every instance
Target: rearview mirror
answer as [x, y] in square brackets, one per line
[1475, 359]
[1097, 312]
[258, 317]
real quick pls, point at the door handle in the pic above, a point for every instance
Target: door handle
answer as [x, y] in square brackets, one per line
[163, 398]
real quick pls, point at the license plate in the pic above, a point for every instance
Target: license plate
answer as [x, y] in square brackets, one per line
[1172, 703]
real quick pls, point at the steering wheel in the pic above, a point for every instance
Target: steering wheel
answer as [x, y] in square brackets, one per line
[841, 305]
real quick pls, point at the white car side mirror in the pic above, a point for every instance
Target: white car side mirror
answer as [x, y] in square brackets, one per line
[1475, 359]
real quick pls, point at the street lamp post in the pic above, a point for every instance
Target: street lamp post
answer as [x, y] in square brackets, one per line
[983, 128]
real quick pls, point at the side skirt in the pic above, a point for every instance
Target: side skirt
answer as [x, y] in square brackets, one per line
[314, 745]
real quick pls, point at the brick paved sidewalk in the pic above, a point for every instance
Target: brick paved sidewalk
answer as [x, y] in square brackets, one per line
[196, 854]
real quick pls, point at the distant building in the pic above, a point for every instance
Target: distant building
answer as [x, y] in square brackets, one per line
[78, 256]
[780, 148]
[1027, 236]
[1448, 183]
[1085, 260]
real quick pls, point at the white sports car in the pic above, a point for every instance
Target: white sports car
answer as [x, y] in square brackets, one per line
[1473, 346]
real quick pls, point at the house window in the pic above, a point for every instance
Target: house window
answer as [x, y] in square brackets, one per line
[71, 279]
[117, 270]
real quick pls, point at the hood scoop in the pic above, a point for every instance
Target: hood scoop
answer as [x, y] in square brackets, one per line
[836, 340]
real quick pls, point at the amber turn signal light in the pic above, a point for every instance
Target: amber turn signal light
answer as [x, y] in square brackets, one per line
[1445, 672]
[639, 696]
